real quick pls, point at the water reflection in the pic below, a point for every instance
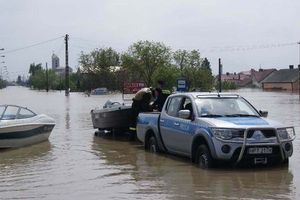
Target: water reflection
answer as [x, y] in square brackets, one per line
[177, 178]
[20, 167]
[67, 111]
[24, 154]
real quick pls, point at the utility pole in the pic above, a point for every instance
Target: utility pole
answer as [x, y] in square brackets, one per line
[67, 80]
[220, 75]
[47, 78]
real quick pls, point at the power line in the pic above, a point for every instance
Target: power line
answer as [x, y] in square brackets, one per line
[248, 47]
[32, 45]
[214, 49]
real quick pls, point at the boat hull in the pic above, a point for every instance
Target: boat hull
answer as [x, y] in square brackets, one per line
[23, 135]
[119, 117]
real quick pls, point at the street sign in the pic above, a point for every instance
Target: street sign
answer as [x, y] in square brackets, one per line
[182, 85]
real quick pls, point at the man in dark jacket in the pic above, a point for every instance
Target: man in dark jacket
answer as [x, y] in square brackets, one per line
[160, 100]
[141, 103]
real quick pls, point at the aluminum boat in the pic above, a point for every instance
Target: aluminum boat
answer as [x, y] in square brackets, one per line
[113, 115]
[20, 126]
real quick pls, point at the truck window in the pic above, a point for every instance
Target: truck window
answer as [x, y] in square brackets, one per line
[187, 105]
[173, 106]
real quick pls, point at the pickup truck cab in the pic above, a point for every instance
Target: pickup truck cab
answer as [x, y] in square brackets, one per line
[211, 127]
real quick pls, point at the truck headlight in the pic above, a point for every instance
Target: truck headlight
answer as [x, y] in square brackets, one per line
[227, 134]
[286, 133]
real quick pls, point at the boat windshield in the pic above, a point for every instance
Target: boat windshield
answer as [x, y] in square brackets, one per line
[10, 112]
[2, 108]
[225, 107]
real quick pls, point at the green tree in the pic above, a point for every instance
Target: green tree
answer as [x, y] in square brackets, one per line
[205, 64]
[33, 68]
[2, 83]
[98, 68]
[228, 85]
[38, 80]
[169, 75]
[143, 58]
[196, 70]
[181, 59]
[19, 80]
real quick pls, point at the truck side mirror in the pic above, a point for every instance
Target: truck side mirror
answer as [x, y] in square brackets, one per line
[184, 114]
[263, 113]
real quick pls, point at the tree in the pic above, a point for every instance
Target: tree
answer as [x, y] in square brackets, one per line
[169, 75]
[38, 80]
[195, 69]
[2, 83]
[181, 59]
[205, 64]
[33, 68]
[228, 85]
[97, 68]
[19, 80]
[143, 58]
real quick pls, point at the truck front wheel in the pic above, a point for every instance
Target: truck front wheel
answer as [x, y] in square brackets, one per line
[204, 159]
[152, 145]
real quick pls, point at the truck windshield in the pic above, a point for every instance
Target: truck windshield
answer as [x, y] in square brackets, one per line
[225, 107]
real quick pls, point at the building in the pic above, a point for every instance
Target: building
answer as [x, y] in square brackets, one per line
[250, 78]
[57, 68]
[284, 79]
[61, 71]
[55, 61]
[259, 76]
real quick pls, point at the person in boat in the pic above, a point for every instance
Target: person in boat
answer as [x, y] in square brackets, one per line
[160, 99]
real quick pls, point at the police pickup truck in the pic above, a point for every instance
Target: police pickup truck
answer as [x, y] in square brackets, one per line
[210, 128]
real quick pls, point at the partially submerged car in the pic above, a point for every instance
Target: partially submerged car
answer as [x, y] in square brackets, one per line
[211, 127]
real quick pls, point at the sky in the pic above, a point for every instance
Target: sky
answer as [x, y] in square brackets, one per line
[244, 34]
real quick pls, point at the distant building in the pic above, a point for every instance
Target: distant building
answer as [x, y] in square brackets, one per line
[62, 70]
[284, 79]
[250, 78]
[55, 61]
[259, 76]
[57, 68]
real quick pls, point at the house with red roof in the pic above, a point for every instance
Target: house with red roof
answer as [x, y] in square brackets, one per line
[250, 78]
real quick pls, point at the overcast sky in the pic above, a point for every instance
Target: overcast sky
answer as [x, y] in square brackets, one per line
[245, 34]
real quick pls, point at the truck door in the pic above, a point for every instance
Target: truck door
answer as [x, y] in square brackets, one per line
[176, 132]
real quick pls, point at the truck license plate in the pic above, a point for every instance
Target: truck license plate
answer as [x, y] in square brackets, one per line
[260, 150]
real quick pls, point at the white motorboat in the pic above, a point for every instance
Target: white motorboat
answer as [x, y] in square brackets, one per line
[20, 126]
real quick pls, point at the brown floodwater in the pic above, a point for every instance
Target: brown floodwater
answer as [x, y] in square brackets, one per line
[75, 164]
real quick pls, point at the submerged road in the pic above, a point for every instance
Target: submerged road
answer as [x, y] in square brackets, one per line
[75, 164]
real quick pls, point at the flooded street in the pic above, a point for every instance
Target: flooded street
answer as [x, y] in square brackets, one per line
[75, 164]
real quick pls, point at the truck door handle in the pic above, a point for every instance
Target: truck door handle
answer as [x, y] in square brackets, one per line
[162, 120]
[176, 123]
